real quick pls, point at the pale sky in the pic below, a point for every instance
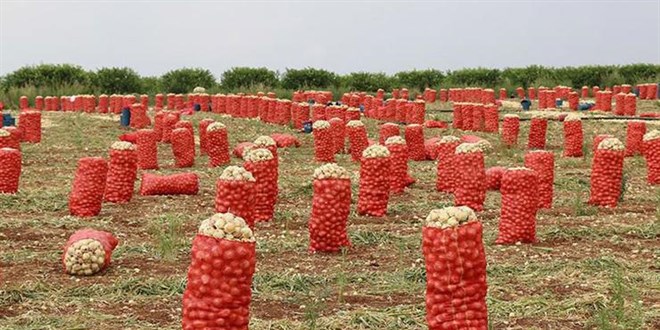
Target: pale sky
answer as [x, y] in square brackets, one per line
[342, 36]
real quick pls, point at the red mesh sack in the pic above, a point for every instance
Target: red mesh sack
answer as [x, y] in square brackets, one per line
[494, 177]
[331, 205]
[352, 114]
[435, 124]
[606, 101]
[642, 91]
[318, 112]
[543, 163]
[400, 107]
[147, 149]
[455, 270]
[651, 148]
[337, 129]
[443, 95]
[416, 116]
[39, 102]
[430, 148]
[597, 140]
[217, 144]
[374, 187]
[405, 94]
[625, 88]
[139, 118]
[414, 134]
[263, 166]
[16, 136]
[203, 125]
[519, 207]
[218, 290]
[29, 122]
[88, 252]
[573, 136]
[158, 103]
[386, 131]
[103, 103]
[174, 184]
[357, 138]
[390, 111]
[503, 94]
[122, 171]
[168, 126]
[234, 192]
[185, 124]
[630, 105]
[616, 89]
[470, 176]
[183, 147]
[88, 187]
[521, 92]
[620, 104]
[285, 140]
[324, 147]
[398, 174]
[634, 137]
[573, 101]
[478, 117]
[457, 122]
[240, 148]
[446, 170]
[10, 170]
[491, 118]
[652, 92]
[9, 140]
[537, 131]
[531, 93]
[23, 102]
[585, 92]
[607, 173]
[467, 115]
[159, 123]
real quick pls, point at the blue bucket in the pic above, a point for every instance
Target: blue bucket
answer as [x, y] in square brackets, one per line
[307, 127]
[361, 107]
[125, 118]
[526, 104]
[8, 120]
[197, 107]
[584, 106]
[559, 102]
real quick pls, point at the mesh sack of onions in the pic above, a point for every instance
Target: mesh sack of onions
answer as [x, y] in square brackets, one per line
[531, 93]
[223, 259]
[455, 258]
[543, 163]
[634, 137]
[391, 111]
[573, 101]
[625, 88]
[338, 131]
[503, 94]
[470, 176]
[122, 171]
[417, 113]
[386, 131]
[10, 170]
[573, 136]
[519, 206]
[494, 177]
[88, 252]
[458, 115]
[414, 134]
[139, 118]
[29, 121]
[597, 140]
[239, 149]
[537, 131]
[185, 124]
[285, 140]
[168, 126]
[318, 112]
[478, 117]
[374, 187]
[23, 102]
[643, 88]
[88, 187]
[159, 123]
[491, 118]
[267, 142]
[620, 104]
[651, 147]
[324, 146]
[521, 92]
[8, 140]
[217, 144]
[585, 92]
[467, 115]
[357, 138]
[183, 147]
[352, 114]
[331, 205]
[446, 170]
[174, 184]
[652, 91]
[147, 149]
[263, 166]
[234, 191]
[203, 142]
[400, 107]
[399, 177]
[606, 101]
[607, 173]
[630, 106]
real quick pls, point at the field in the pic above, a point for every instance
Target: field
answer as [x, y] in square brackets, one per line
[591, 267]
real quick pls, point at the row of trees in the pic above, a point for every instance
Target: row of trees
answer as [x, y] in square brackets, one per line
[127, 80]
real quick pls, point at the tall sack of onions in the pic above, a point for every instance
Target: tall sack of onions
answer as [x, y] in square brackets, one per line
[374, 189]
[543, 163]
[267, 142]
[414, 134]
[88, 252]
[234, 191]
[185, 124]
[29, 121]
[491, 118]
[217, 144]
[386, 131]
[494, 177]
[399, 177]
[263, 166]
[318, 112]
[416, 116]
[519, 206]
[446, 148]
[457, 122]
[510, 129]
[585, 92]
[147, 149]
[651, 147]
[467, 115]
[478, 118]
[607, 173]
[218, 291]
[122, 171]
[357, 139]
[203, 126]
[470, 176]
[598, 139]
[10, 170]
[183, 147]
[635, 137]
[573, 136]
[537, 132]
[324, 147]
[620, 104]
[331, 205]
[168, 126]
[337, 129]
[8, 140]
[573, 101]
[630, 106]
[455, 258]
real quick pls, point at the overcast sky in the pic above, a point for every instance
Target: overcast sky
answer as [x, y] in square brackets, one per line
[386, 36]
